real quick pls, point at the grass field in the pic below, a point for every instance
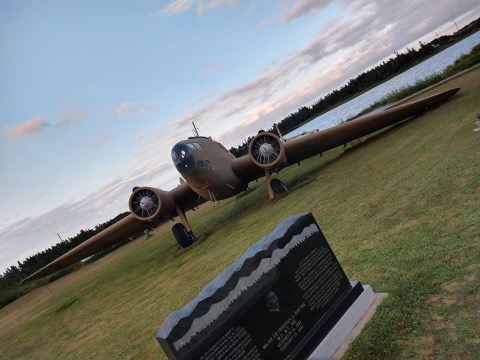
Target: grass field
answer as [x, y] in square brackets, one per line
[401, 211]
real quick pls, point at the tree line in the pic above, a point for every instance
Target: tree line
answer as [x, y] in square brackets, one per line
[366, 80]
[10, 287]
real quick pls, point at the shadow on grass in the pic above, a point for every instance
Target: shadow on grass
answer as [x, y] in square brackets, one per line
[307, 178]
[66, 304]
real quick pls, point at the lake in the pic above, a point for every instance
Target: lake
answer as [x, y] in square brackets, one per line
[429, 67]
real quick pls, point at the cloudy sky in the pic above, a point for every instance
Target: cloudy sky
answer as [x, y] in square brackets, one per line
[94, 94]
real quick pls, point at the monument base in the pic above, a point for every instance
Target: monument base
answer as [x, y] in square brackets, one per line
[335, 344]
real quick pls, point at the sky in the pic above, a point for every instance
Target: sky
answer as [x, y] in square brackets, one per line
[94, 94]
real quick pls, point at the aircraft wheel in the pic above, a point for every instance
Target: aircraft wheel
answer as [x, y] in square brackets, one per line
[183, 237]
[278, 187]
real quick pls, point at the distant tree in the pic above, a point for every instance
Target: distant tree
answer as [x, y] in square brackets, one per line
[10, 289]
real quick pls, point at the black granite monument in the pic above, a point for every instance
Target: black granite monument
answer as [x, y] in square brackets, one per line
[278, 301]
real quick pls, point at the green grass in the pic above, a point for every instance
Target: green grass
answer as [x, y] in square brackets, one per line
[401, 211]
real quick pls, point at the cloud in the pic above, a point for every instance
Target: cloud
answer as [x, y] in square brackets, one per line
[266, 22]
[68, 119]
[133, 107]
[305, 8]
[144, 109]
[101, 139]
[212, 68]
[139, 137]
[369, 32]
[28, 127]
[124, 108]
[201, 6]
[206, 6]
[176, 7]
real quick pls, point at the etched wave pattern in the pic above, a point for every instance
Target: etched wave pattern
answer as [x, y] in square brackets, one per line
[244, 283]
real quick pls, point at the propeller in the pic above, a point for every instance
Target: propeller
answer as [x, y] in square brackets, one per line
[145, 203]
[148, 203]
[268, 152]
[266, 149]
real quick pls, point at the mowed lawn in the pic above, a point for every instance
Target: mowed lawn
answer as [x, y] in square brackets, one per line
[401, 211]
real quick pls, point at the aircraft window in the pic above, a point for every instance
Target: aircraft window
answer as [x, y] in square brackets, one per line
[183, 159]
[201, 164]
[191, 146]
[198, 146]
[208, 165]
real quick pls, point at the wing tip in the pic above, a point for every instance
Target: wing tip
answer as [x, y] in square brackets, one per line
[35, 276]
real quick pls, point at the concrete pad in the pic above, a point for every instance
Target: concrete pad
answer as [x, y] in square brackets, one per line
[349, 326]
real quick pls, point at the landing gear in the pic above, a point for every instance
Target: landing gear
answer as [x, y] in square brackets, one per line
[275, 186]
[184, 238]
[278, 187]
[182, 231]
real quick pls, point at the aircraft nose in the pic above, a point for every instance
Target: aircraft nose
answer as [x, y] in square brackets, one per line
[183, 158]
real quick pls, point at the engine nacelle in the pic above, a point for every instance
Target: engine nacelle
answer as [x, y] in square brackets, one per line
[148, 203]
[267, 151]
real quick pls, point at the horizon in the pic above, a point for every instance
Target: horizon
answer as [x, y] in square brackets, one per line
[89, 112]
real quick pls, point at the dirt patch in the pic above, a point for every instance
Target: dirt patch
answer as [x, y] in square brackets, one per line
[473, 267]
[451, 314]
[405, 225]
[425, 347]
[462, 357]
[452, 287]
[425, 353]
[452, 293]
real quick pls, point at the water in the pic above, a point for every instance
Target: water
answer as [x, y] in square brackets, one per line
[429, 67]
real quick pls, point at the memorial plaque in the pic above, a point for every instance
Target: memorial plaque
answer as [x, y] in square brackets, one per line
[278, 301]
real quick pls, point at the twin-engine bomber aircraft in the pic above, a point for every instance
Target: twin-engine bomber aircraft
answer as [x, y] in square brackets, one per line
[212, 173]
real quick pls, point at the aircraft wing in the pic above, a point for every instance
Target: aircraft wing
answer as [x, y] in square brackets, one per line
[303, 147]
[182, 196]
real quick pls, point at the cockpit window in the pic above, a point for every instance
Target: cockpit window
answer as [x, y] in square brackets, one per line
[194, 146]
[183, 159]
[201, 164]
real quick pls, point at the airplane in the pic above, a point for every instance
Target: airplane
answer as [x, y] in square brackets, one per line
[211, 173]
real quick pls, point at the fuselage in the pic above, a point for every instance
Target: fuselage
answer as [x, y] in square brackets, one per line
[206, 166]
